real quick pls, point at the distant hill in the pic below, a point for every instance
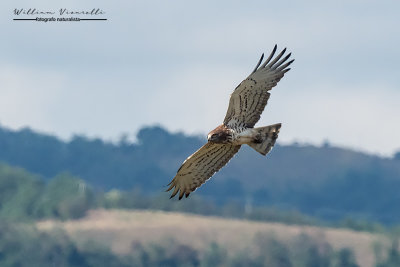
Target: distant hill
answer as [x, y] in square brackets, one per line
[119, 229]
[328, 182]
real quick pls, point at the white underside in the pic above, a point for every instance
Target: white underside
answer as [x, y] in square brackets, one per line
[245, 137]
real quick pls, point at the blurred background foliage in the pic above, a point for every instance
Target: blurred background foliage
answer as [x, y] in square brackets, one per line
[42, 177]
[328, 183]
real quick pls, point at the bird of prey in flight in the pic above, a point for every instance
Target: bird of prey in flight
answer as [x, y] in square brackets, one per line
[246, 104]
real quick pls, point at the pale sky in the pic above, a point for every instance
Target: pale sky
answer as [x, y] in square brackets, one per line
[174, 63]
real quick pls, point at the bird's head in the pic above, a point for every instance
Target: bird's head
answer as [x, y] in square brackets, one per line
[219, 135]
[214, 137]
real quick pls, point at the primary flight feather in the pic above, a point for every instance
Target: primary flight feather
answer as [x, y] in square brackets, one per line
[246, 104]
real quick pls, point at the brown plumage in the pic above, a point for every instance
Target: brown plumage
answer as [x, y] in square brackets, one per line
[221, 135]
[246, 104]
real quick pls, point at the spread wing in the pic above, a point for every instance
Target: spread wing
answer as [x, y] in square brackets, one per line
[250, 97]
[200, 166]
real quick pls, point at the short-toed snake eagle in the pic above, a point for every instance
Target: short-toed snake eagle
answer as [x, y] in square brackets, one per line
[246, 104]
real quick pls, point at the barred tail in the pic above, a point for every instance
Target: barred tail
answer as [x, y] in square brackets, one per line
[266, 138]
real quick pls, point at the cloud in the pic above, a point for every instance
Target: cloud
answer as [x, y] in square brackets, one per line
[175, 63]
[364, 118]
[27, 96]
